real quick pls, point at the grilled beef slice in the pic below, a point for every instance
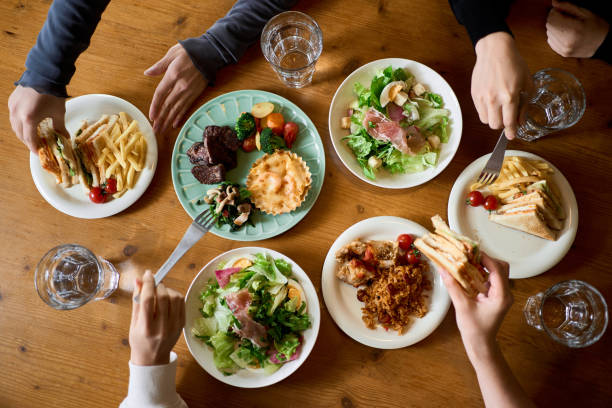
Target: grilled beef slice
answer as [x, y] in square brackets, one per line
[209, 174]
[217, 152]
[196, 154]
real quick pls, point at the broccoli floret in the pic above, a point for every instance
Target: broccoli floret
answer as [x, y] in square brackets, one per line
[245, 126]
[270, 142]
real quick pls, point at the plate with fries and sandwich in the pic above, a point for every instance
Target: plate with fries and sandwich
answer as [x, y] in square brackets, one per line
[532, 216]
[105, 163]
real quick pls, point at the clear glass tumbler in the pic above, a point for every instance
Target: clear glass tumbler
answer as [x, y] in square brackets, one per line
[572, 313]
[557, 103]
[292, 43]
[69, 275]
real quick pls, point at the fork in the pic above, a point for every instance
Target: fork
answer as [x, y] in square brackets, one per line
[491, 170]
[200, 226]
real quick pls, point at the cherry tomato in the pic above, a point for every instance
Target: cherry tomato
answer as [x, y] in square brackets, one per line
[405, 241]
[368, 257]
[110, 186]
[475, 198]
[257, 125]
[97, 195]
[290, 131]
[412, 258]
[276, 122]
[249, 144]
[490, 203]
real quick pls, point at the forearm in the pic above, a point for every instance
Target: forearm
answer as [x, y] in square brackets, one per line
[153, 386]
[481, 17]
[227, 40]
[498, 385]
[64, 36]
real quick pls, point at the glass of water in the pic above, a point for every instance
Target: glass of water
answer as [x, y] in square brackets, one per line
[572, 313]
[292, 43]
[557, 103]
[68, 276]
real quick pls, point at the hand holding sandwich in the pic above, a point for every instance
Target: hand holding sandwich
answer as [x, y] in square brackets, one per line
[27, 108]
[478, 320]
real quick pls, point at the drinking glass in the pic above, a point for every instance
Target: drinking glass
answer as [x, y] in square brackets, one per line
[557, 103]
[68, 276]
[572, 313]
[292, 43]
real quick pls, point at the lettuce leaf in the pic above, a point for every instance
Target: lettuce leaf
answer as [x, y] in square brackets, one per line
[363, 94]
[223, 345]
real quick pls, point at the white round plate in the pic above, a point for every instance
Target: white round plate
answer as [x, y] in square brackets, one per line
[345, 95]
[528, 255]
[341, 298]
[204, 354]
[75, 201]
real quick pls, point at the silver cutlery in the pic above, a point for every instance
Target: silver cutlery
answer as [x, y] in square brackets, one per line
[491, 170]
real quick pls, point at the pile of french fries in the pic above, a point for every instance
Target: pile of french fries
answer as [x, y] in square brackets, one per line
[516, 174]
[124, 153]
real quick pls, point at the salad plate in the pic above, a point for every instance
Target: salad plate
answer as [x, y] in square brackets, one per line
[74, 201]
[207, 347]
[409, 171]
[341, 300]
[225, 110]
[527, 254]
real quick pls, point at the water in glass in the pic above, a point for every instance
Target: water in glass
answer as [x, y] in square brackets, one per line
[573, 313]
[69, 276]
[557, 103]
[292, 43]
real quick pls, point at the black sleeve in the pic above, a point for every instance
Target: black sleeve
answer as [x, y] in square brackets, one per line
[227, 40]
[64, 36]
[481, 17]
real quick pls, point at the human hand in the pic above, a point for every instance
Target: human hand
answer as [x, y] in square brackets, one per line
[158, 316]
[480, 318]
[573, 31]
[27, 108]
[500, 75]
[181, 85]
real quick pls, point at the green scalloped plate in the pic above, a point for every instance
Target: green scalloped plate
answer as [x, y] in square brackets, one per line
[224, 110]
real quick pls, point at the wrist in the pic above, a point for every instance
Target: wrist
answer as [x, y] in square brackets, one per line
[480, 349]
[140, 359]
[493, 41]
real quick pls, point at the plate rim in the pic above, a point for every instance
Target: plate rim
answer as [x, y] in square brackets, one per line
[327, 277]
[439, 168]
[453, 211]
[308, 287]
[101, 211]
[295, 220]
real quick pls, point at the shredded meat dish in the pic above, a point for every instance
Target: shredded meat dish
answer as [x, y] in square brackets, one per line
[392, 294]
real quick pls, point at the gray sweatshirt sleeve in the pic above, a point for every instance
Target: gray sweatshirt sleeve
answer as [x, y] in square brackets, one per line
[226, 41]
[64, 36]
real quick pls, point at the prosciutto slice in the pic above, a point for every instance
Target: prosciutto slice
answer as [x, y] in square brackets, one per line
[408, 141]
[223, 275]
[239, 303]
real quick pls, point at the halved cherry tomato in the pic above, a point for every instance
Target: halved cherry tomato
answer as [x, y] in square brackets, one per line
[97, 195]
[290, 131]
[490, 203]
[276, 122]
[110, 186]
[368, 257]
[412, 258]
[405, 241]
[475, 198]
[249, 144]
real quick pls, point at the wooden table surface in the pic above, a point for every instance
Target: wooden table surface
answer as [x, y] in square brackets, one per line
[79, 358]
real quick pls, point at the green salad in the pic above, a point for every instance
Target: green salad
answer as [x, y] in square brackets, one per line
[396, 124]
[253, 315]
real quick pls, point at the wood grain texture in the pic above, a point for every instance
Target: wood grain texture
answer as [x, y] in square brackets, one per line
[79, 358]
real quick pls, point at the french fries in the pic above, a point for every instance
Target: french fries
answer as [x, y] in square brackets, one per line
[123, 150]
[516, 174]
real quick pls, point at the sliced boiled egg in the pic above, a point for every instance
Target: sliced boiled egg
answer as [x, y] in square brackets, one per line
[242, 263]
[295, 291]
[390, 91]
